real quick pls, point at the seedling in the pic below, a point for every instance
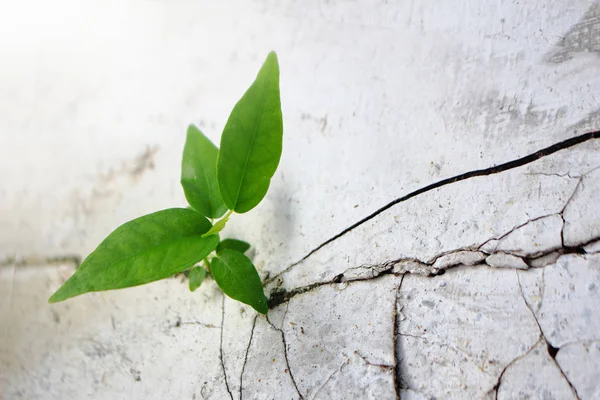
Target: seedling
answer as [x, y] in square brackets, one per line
[216, 183]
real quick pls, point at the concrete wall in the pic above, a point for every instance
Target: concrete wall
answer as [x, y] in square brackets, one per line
[483, 287]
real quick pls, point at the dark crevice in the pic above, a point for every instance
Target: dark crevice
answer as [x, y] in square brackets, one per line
[552, 350]
[221, 349]
[565, 144]
[280, 296]
[246, 356]
[285, 355]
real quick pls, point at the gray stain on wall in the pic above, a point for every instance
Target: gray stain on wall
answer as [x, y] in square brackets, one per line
[583, 37]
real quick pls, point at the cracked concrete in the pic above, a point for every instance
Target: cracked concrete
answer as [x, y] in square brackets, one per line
[432, 231]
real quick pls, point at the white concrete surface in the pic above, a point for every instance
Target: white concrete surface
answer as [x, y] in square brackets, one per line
[481, 288]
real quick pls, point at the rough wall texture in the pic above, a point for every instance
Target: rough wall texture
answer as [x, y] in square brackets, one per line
[416, 242]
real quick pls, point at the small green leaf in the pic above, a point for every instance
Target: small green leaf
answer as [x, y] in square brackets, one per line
[196, 277]
[219, 225]
[199, 174]
[251, 141]
[233, 244]
[236, 276]
[146, 249]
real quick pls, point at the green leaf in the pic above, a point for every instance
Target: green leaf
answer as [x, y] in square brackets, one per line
[233, 244]
[146, 249]
[219, 225]
[199, 174]
[196, 277]
[236, 276]
[251, 141]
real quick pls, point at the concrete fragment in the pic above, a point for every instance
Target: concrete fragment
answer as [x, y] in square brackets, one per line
[413, 267]
[582, 213]
[531, 239]
[564, 297]
[544, 260]
[462, 257]
[364, 272]
[325, 327]
[265, 369]
[357, 379]
[534, 376]
[503, 260]
[579, 362]
[464, 326]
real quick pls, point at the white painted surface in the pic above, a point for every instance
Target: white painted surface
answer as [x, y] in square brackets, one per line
[380, 99]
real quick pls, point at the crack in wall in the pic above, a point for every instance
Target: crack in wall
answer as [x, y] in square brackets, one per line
[565, 144]
[430, 269]
[552, 351]
[337, 371]
[285, 356]
[246, 356]
[396, 316]
[496, 387]
[221, 348]
[278, 297]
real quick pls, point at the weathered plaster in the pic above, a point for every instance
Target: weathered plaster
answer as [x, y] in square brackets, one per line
[432, 231]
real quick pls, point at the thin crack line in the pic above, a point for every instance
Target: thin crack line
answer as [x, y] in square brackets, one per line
[221, 348]
[516, 359]
[397, 379]
[382, 366]
[565, 144]
[246, 355]
[513, 229]
[285, 355]
[337, 371]
[543, 336]
[562, 211]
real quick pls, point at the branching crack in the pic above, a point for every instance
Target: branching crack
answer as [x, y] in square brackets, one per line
[221, 348]
[285, 355]
[552, 351]
[278, 296]
[246, 356]
[565, 144]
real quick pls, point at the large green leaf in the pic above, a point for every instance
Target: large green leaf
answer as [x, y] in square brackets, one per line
[146, 249]
[236, 276]
[251, 141]
[199, 174]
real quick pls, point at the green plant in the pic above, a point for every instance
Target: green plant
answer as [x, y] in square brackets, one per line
[216, 183]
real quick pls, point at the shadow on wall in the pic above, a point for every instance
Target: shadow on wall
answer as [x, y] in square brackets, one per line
[583, 37]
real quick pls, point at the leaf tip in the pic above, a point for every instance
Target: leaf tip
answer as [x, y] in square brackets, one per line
[55, 298]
